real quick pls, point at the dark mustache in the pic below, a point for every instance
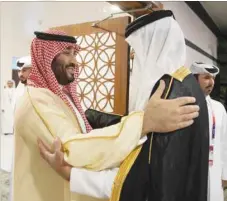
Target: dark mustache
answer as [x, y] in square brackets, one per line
[210, 86]
[71, 65]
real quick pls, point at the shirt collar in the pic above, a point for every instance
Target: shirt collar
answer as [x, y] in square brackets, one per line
[208, 97]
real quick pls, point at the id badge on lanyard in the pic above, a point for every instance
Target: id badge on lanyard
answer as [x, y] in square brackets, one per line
[211, 147]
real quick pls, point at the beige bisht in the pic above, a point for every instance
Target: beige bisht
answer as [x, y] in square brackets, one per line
[41, 113]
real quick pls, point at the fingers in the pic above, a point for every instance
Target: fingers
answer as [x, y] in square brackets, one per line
[177, 126]
[59, 157]
[57, 144]
[44, 152]
[44, 145]
[159, 91]
[188, 117]
[184, 124]
[184, 100]
[188, 109]
[41, 148]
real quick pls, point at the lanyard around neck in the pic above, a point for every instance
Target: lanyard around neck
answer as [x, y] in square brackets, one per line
[213, 126]
[213, 133]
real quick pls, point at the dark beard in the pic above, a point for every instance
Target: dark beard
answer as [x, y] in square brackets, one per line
[60, 73]
[66, 82]
[24, 82]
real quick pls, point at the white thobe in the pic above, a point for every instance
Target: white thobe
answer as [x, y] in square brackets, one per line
[218, 171]
[7, 128]
[18, 93]
[7, 107]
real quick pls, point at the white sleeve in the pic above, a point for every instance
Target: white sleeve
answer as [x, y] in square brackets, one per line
[224, 144]
[94, 184]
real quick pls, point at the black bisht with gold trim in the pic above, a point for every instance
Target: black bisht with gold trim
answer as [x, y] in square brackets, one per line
[175, 167]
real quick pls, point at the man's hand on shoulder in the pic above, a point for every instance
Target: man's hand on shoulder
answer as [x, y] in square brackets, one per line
[55, 158]
[224, 184]
[168, 115]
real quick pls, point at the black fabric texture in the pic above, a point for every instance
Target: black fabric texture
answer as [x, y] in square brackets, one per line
[99, 119]
[179, 160]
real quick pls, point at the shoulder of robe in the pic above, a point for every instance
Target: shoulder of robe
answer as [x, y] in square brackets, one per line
[34, 90]
[181, 74]
[217, 105]
[40, 94]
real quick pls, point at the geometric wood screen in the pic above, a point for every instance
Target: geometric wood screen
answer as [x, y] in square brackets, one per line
[96, 85]
[104, 64]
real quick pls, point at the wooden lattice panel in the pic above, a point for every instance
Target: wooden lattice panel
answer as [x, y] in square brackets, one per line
[97, 71]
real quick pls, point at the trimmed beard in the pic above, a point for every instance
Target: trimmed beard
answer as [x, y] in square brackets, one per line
[24, 82]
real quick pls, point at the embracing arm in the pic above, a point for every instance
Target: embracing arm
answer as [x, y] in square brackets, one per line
[108, 147]
[101, 148]
[166, 115]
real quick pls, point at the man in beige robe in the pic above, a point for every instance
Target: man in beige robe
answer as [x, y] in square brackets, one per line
[50, 108]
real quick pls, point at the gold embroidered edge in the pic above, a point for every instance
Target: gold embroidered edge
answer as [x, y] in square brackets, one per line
[111, 113]
[181, 73]
[122, 173]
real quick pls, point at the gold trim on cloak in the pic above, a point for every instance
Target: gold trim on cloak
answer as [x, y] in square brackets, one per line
[181, 73]
[122, 174]
[111, 113]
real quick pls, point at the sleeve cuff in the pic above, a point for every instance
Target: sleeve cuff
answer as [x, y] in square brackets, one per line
[73, 180]
[94, 184]
[86, 182]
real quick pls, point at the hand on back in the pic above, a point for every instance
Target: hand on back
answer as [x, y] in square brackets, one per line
[168, 115]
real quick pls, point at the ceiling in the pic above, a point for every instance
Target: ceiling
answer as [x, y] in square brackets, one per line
[131, 5]
[217, 10]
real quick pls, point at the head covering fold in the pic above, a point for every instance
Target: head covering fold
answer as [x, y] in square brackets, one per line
[14, 85]
[201, 68]
[159, 46]
[24, 62]
[42, 53]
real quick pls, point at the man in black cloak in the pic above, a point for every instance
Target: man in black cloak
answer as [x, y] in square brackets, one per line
[169, 167]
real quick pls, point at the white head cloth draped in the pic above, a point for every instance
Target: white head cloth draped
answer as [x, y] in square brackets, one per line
[159, 49]
[201, 68]
[12, 81]
[24, 62]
